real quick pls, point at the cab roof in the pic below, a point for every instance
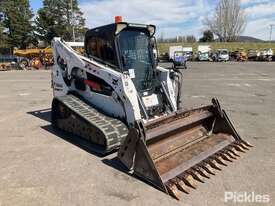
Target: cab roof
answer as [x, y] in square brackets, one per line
[111, 30]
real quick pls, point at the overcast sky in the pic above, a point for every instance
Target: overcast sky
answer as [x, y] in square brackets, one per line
[174, 17]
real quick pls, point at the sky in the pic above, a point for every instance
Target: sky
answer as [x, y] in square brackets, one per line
[174, 17]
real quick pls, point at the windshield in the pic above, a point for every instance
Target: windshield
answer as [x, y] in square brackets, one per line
[187, 53]
[223, 52]
[136, 58]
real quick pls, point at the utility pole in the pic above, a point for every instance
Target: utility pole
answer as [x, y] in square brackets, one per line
[72, 20]
[271, 28]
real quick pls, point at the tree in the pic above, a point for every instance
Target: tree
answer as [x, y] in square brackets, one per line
[208, 36]
[2, 40]
[2, 37]
[161, 38]
[16, 20]
[190, 39]
[229, 20]
[59, 18]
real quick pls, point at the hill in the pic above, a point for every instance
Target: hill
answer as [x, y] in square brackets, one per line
[246, 39]
[249, 39]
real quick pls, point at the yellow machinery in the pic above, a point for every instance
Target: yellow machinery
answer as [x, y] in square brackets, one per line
[240, 55]
[36, 58]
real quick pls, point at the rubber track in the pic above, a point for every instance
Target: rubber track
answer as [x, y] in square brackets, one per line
[113, 130]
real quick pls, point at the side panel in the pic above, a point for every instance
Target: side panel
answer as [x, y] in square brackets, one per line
[109, 104]
[58, 83]
[123, 101]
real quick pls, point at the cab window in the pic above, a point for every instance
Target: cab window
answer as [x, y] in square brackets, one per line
[101, 49]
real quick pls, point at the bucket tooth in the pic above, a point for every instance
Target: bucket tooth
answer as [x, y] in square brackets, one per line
[241, 145]
[173, 190]
[233, 151]
[196, 175]
[238, 148]
[207, 168]
[180, 185]
[188, 180]
[213, 164]
[219, 160]
[201, 171]
[247, 143]
[231, 157]
[229, 154]
[224, 157]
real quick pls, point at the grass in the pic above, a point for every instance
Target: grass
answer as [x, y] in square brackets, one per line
[231, 46]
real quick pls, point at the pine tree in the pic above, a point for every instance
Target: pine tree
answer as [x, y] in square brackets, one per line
[208, 36]
[57, 19]
[2, 40]
[2, 37]
[16, 19]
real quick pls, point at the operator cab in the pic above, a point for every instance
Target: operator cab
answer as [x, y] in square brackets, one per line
[127, 48]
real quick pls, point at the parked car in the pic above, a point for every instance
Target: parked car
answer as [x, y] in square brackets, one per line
[253, 55]
[221, 55]
[188, 53]
[266, 55]
[172, 50]
[204, 53]
[164, 57]
[179, 60]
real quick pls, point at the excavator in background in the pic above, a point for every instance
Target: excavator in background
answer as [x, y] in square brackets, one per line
[117, 97]
[42, 58]
[35, 58]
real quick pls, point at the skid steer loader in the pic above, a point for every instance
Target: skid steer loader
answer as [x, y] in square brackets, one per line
[117, 97]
